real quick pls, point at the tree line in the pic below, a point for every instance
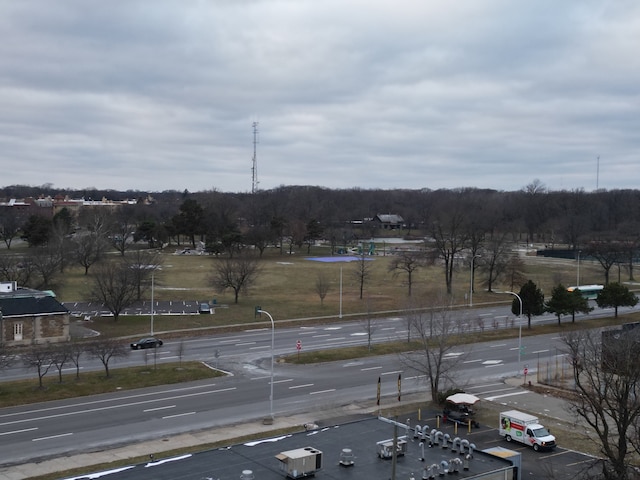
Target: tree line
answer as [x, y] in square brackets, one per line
[480, 226]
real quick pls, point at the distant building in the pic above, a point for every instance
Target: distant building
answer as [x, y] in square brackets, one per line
[31, 316]
[389, 221]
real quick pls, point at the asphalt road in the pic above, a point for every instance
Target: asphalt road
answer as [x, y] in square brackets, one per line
[44, 430]
[40, 431]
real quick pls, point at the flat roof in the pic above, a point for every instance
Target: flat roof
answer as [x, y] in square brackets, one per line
[361, 437]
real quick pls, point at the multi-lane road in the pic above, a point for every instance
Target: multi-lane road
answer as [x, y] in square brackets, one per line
[43, 430]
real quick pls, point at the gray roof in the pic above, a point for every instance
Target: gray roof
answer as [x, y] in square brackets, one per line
[23, 306]
[389, 218]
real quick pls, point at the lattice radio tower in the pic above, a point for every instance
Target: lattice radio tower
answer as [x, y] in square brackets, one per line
[254, 167]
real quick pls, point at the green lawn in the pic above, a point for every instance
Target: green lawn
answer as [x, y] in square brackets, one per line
[286, 289]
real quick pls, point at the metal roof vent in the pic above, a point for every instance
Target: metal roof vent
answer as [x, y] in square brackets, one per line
[247, 475]
[347, 458]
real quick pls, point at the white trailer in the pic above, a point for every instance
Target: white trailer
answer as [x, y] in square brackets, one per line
[524, 428]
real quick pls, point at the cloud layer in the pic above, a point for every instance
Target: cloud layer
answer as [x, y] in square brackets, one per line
[162, 94]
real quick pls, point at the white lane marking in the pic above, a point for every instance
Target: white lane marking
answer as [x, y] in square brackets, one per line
[391, 373]
[301, 386]
[358, 334]
[322, 391]
[473, 361]
[283, 381]
[352, 364]
[244, 344]
[371, 368]
[498, 345]
[495, 397]
[51, 437]
[94, 402]
[260, 348]
[491, 362]
[333, 328]
[321, 335]
[158, 408]
[544, 351]
[19, 431]
[178, 415]
[113, 407]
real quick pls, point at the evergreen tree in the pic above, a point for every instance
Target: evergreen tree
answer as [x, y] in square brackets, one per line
[532, 301]
[560, 302]
[616, 295]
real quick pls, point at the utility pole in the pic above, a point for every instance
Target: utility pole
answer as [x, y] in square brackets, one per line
[254, 167]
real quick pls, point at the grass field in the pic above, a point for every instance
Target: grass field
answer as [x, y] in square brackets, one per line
[286, 289]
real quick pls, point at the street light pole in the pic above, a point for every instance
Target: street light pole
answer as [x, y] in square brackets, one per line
[272, 347]
[471, 281]
[340, 316]
[578, 274]
[519, 327]
[152, 304]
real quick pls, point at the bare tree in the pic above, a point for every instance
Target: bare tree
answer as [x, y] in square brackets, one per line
[114, 285]
[16, 269]
[362, 271]
[450, 238]
[436, 332]
[45, 263]
[60, 355]
[38, 357]
[7, 356]
[9, 226]
[76, 349]
[606, 252]
[121, 228]
[143, 264]
[106, 349]
[237, 273]
[607, 382]
[89, 249]
[495, 259]
[322, 286]
[407, 261]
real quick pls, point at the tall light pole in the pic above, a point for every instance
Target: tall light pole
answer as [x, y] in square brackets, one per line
[152, 304]
[340, 316]
[519, 327]
[273, 329]
[471, 281]
[578, 274]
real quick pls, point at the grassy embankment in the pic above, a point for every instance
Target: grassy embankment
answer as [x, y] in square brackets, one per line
[285, 288]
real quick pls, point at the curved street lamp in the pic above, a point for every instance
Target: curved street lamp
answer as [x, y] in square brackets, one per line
[519, 327]
[270, 418]
[471, 282]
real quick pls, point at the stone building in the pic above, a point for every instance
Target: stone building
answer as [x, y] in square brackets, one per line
[31, 316]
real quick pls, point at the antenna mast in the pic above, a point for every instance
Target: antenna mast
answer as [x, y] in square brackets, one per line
[598, 173]
[254, 167]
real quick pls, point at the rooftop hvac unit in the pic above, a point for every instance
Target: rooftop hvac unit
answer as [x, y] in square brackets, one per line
[301, 462]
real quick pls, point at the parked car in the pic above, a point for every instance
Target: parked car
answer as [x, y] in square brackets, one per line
[146, 342]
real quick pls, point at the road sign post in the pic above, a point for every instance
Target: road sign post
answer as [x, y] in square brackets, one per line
[298, 347]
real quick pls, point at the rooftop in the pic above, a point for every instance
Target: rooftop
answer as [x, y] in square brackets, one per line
[265, 459]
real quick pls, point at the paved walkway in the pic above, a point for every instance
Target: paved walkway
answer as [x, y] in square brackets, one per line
[541, 404]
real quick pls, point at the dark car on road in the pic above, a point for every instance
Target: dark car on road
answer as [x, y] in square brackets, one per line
[147, 342]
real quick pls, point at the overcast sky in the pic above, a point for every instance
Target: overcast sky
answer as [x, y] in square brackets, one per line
[162, 94]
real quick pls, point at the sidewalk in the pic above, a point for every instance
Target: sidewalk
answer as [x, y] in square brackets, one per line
[541, 404]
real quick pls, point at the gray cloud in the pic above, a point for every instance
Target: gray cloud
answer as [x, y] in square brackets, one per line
[161, 94]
